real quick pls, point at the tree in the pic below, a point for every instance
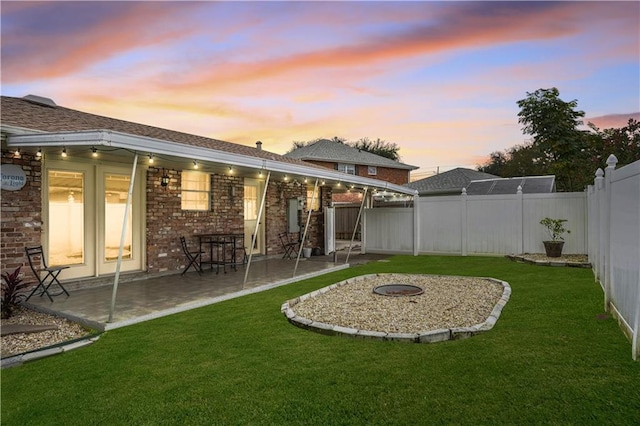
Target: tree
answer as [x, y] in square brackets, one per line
[378, 147]
[519, 160]
[624, 143]
[553, 124]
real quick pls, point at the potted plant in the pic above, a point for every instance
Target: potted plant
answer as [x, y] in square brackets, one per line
[555, 228]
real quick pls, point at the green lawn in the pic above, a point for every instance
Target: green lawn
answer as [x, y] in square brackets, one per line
[548, 360]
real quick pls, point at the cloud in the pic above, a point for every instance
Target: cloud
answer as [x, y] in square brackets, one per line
[54, 39]
[613, 120]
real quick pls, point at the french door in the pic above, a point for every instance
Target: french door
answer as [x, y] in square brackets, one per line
[253, 189]
[84, 206]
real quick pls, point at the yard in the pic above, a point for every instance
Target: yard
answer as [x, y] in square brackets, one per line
[552, 358]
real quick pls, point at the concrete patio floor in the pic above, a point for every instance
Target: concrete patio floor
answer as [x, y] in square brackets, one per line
[148, 298]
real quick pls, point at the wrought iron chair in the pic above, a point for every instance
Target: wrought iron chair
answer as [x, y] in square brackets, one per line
[289, 247]
[46, 276]
[194, 257]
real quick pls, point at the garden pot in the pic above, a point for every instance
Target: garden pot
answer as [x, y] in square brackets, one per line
[306, 252]
[553, 248]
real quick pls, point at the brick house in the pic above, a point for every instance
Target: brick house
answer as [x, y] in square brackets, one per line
[344, 158]
[68, 177]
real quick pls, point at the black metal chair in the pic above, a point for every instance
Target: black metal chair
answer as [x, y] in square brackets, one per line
[289, 247]
[194, 257]
[46, 276]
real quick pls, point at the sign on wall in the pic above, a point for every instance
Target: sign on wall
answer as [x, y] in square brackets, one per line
[13, 177]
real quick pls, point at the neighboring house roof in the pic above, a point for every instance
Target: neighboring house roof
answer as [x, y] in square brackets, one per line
[449, 182]
[336, 152]
[529, 185]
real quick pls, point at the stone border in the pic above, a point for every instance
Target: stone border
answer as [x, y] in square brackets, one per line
[16, 360]
[427, 336]
[523, 258]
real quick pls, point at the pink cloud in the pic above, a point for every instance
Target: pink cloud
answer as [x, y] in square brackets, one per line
[612, 120]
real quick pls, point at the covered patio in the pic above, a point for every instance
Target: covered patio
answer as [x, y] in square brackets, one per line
[141, 299]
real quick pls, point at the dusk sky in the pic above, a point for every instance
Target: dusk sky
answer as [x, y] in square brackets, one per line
[439, 79]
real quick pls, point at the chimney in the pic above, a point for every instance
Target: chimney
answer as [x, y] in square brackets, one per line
[259, 145]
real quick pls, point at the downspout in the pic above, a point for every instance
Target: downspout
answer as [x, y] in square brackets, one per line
[122, 238]
[255, 232]
[306, 228]
[353, 236]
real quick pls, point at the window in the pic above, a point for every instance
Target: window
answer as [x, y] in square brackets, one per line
[313, 204]
[250, 202]
[196, 188]
[347, 168]
[372, 170]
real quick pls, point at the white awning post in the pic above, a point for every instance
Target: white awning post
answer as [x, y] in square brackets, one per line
[255, 232]
[353, 236]
[123, 236]
[306, 228]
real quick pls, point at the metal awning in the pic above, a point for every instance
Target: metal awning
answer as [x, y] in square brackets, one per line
[183, 155]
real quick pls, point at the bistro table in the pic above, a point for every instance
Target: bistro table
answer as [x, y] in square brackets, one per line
[221, 244]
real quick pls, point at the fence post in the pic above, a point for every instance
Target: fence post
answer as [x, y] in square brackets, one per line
[463, 225]
[599, 224]
[606, 270]
[416, 224]
[520, 224]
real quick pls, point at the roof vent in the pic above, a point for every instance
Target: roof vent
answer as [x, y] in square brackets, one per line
[259, 145]
[40, 100]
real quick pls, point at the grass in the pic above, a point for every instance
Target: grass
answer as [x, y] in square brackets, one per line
[548, 360]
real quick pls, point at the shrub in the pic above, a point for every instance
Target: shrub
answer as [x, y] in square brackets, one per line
[13, 291]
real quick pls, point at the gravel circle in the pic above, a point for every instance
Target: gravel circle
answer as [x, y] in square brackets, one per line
[14, 344]
[447, 302]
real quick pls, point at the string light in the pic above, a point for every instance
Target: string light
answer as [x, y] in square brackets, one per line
[230, 170]
[64, 152]
[151, 159]
[195, 164]
[94, 151]
[39, 153]
[16, 154]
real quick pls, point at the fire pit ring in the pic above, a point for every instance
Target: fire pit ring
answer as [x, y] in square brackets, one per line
[397, 290]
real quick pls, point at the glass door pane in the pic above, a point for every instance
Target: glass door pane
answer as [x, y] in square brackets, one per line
[116, 188]
[66, 217]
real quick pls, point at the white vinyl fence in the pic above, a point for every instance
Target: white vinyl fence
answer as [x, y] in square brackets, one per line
[478, 224]
[614, 243]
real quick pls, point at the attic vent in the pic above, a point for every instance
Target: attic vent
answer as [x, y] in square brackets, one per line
[40, 100]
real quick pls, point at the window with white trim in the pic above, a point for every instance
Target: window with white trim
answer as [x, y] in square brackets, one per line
[347, 168]
[196, 190]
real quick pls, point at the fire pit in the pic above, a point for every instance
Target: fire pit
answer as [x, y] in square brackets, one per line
[397, 290]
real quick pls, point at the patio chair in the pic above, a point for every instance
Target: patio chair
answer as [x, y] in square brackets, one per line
[289, 247]
[46, 276]
[194, 257]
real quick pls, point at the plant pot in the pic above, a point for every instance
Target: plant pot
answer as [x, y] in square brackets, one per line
[306, 252]
[553, 248]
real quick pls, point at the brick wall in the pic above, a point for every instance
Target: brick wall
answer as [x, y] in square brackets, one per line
[396, 176]
[21, 215]
[165, 219]
[167, 222]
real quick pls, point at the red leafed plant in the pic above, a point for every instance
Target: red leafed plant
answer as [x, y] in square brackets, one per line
[13, 291]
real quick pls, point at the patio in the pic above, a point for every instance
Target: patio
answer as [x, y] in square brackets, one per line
[143, 299]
